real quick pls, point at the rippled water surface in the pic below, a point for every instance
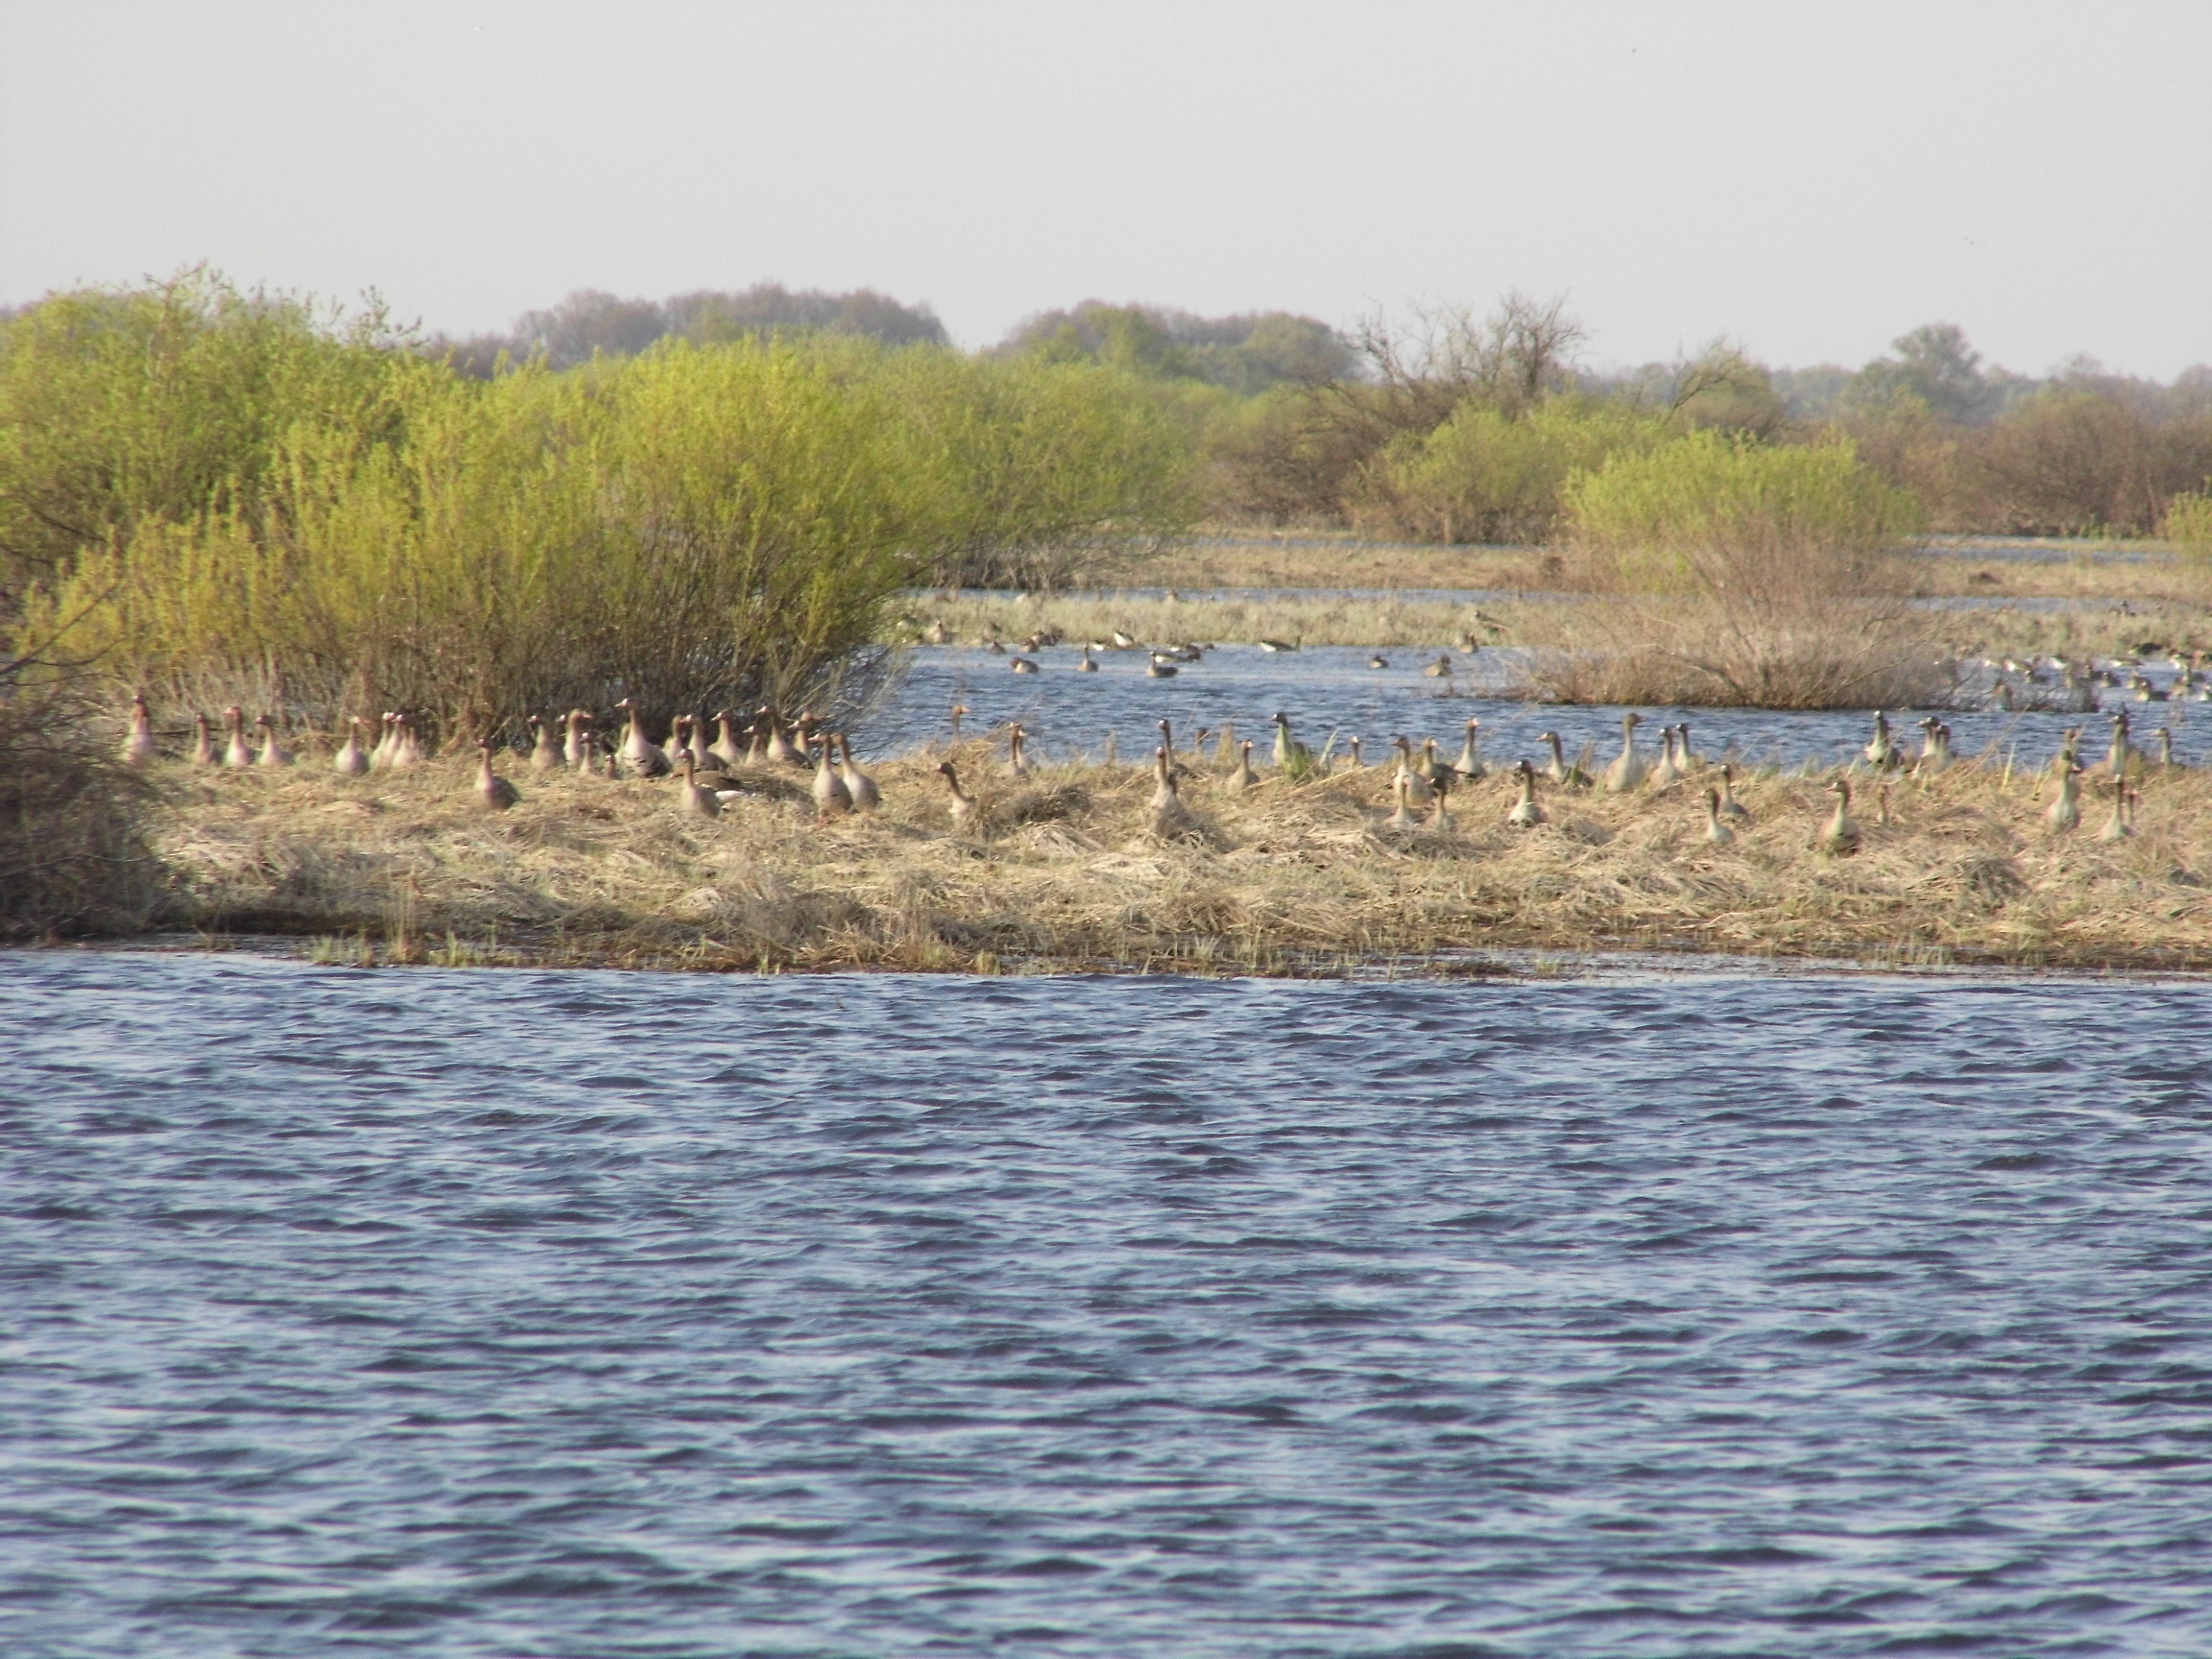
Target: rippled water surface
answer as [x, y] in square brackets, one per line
[518, 1314]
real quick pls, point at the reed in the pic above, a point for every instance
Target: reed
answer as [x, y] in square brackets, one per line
[1070, 871]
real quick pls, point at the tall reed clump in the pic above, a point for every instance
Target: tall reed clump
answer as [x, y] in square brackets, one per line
[1728, 572]
[695, 525]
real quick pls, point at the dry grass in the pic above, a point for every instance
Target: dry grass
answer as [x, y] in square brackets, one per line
[73, 856]
[1288, 879]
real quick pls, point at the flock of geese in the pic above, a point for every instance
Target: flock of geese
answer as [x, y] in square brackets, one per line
[709, 772]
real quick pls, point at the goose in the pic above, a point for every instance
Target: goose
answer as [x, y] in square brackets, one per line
[1440, 818]
[1881, 806]
[1017, 764]
[1244, 777]
[202, 741]
[572, 742]
[679, 738]
[1403, 819]
[1441, 668]
[756, 729]
[1935, 746]
[1023, 665]
[497, 793]
[1730, 806]
[639, 752]
[1378, 661]
[1716, 831]
[831, 797]
[1428, 766]
[867, 797]
[387, 743]
[1667, 772]
[1166, 805]
[1415, 786]
[958, 710]
[1123, 642]
[1526, 814]
[544, 753]
[2069, 744]
[2117, 827]
[2116, 760]
[587, 754]
[1880, 751]
[725, 747]
[1688, 762]
[1083, 665]
[1289, 751]
[780, 751]
[1566, 776]
[1157, 670]
[234, 752]
[692, 800]
[938, 633]
[701, 751]
[273, 753]
[351, 761]
[1839, 838]
[962, 808]
[406, 745]
[138, 747]
[1278, 645]
[1356, 762]
[1628, 770]
[2064, 812]
[1470, 765]
[996, 646]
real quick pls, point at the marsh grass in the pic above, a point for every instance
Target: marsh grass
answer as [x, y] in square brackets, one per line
[1069, 873]
[73, 854]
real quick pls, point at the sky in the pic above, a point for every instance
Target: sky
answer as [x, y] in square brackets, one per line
[1808, 180]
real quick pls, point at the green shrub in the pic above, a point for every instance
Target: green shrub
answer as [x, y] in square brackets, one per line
[1484, 477]
[2188, 526]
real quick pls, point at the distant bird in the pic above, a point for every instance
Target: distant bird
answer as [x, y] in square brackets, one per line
[1379, 662]
[1244, 777]
[572, 744]
[1441, 668]
[1017, 762]
[1881, 753]
[1085, 665]
[1839, 837]
[1629, 768]
[234, 752]
[351, 761]
[1158, 669]
[1403, 819]
[1526, 814]
[1730, 807]
[1289, 751]
[1410, 781]
[2116, 760]
[1278, 645]
[1023, 666]
[725, 747]
[1169, 813]
[1569, 777]
[495, 792]
[1356, 763]
[1123, 642]
[1935, 746]
[273, 753]
[138, 747]
[2064, 812]
[1717, 831]
[202, 741]
[544, 753]
[1470, 765]
[958, 710]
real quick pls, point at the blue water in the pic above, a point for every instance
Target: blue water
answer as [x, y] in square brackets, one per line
[563, 1314]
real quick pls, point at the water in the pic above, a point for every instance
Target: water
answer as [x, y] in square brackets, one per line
[1331, 690]
[521, 1314]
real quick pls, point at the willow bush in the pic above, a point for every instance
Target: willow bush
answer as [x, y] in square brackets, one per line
[694, 524]
[1487, 475]
[1728, 571]
[2188, 526]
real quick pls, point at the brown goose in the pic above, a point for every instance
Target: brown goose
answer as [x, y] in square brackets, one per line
[1717, 831]
[639, 752]
[204, 741]
[1244, 777]
[572, 744]
[2064, 812]
[780, 751]
[725, 747]
[1526, 814]
[1730, 806]
[867, 797]
[1839, 837]
[495, 792]
[273, 753]
[1403, 819]
[138, 747]
[544, 753]
[2118, 827]
[691, 799]
[1470, 765]
[352, 760]
[1566, 776]
[1417, 789]
[831, 798]
[234, 752]
[1628, 770]
[1017, 764]
[964, 806]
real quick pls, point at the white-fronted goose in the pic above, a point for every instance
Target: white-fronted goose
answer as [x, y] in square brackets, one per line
[544, 753]
[1244, 777]
[725, 747]
[497, 793]
[139, 745]
[831, 798]
[1716, 831]
[1402, 787]
[1667, 771]
[867, 797]
[691, 799]
[203, 740]
[1730, 806]
[1416, 786]
[1289, 751]
[1839, 837]
[273, 753]
[1470, 765]
[1566, 776]
[234, 752]
[352, 760]
[1083, 665]
[1628, 770]
[572, 744]
[1880, 751]
[1527, 813]
[2117, 827]
[639, 752]
[1441, 668]
[1017, 764]
[2064, 812]
[963, 807]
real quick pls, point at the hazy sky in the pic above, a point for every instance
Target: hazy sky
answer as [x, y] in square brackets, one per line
[1811, 180]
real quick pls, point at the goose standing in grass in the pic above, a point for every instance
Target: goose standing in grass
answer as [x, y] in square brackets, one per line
[1566, 776]
[1527, 814]
[1440, 818]
[1717, 832]
[1244, 777]
[1356, 763]
[544, 753]
[587, 754]
[273, 753]
[1018, 763]
[1416, 786]
[1428, 766]
[1730, 807]
[386, 740]
[1880, 751]
[406, 743]
[701, 751]
[1628, 770]
[691, 799]
[1403, 819]
[1839, 837]
[778, 751]
[1688, 761]
[138, 747]
[962, 806]
[1935, 746]
[831, 798]
[639, 752]
[2115, 759]
[725, 747]
[351, 761]
[202, 741]
[1083, 665]
[1667, 771]
[2117, 827]
[2064, 812]
[497, 793]
[571, 741]
[234, 752]
[1470, 765]
[867, 797]
[1289, 753]
[1169, 813]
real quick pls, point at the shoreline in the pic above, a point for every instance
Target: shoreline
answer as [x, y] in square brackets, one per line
[1072, 874]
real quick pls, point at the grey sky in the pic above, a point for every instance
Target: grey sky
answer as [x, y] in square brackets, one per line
[1810, 179]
